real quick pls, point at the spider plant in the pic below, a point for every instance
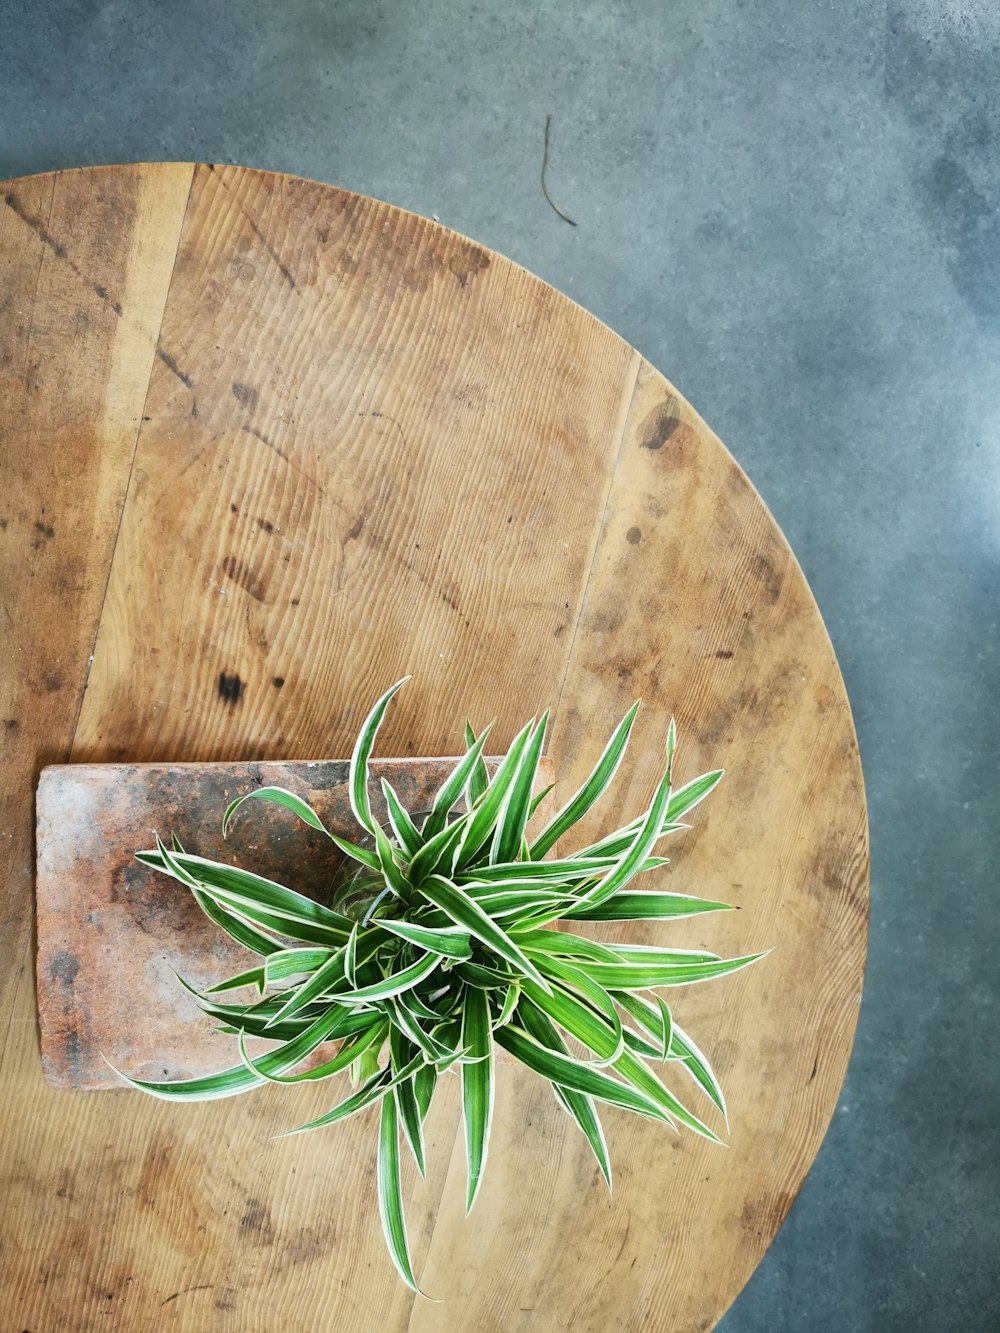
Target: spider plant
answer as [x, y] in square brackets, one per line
[439, 951]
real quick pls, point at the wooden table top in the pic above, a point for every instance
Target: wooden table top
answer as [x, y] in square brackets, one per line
[267, 446]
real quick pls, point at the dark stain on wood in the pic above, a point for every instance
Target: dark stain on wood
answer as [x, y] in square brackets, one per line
[174, 368]
[634, 536]
[280, 264]
[53, 681]
[246, 395]
[230, 688]
[36, 225]
[764, 571]
[257, 1222]
[103, 294]
[659, 426]
[242, 575]
[467, 263]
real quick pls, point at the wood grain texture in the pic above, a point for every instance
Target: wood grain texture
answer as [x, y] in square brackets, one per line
[369, 446]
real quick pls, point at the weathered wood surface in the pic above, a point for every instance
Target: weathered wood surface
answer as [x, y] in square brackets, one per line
[259, 430]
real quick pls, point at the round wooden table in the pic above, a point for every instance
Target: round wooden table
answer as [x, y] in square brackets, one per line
[267, 446]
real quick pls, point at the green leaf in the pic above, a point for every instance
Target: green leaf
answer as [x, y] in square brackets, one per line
[591, 791]
[356, 853]
[537, 800]
[447, 1006]
[403, 828]
[563, 944]
[330, 1025]
[514, 901]
[402, 1052]
[477, 1088]
[483, 815]
[645, 1081]
[351, 956]
[451, 790]
[637, 975]
[372, 1090]
[577, 1075]
[576, 1104]
[513, 816]
[654, 1018]
[681, 801]
[486, 978]
[467, 913]
[424, 1081]
[580, 1021]
[238, 887]
[641, 905]
[687, 797]
[371, 1037]
[278, 796]
[646, 835]
[323, 980]
[305, 931]
[240, 931]
[394, 984]
[478, 778]
[509, 1006]
[592, 1019]
[437, 851]
[448, 941]
[531, 873]
[256, 976]
[390, 1193]
[358, 778]
[698, 1067]
[394, 876]
[255, 1027]
[651, 953]
[292, 962]
[403, 1015]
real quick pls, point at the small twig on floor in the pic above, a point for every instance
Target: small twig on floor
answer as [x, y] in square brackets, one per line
[545, 163]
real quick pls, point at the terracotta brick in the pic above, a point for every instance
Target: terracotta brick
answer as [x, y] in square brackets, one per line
[111, 931]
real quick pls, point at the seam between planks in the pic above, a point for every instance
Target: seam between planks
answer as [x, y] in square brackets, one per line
[628, 398]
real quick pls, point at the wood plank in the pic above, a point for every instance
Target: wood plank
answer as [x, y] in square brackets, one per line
[85, 260]
[76, 250]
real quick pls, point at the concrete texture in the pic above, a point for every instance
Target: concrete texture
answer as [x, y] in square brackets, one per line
[794, 211]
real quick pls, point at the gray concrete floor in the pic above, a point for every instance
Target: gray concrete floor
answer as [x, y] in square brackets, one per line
[793, 209]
